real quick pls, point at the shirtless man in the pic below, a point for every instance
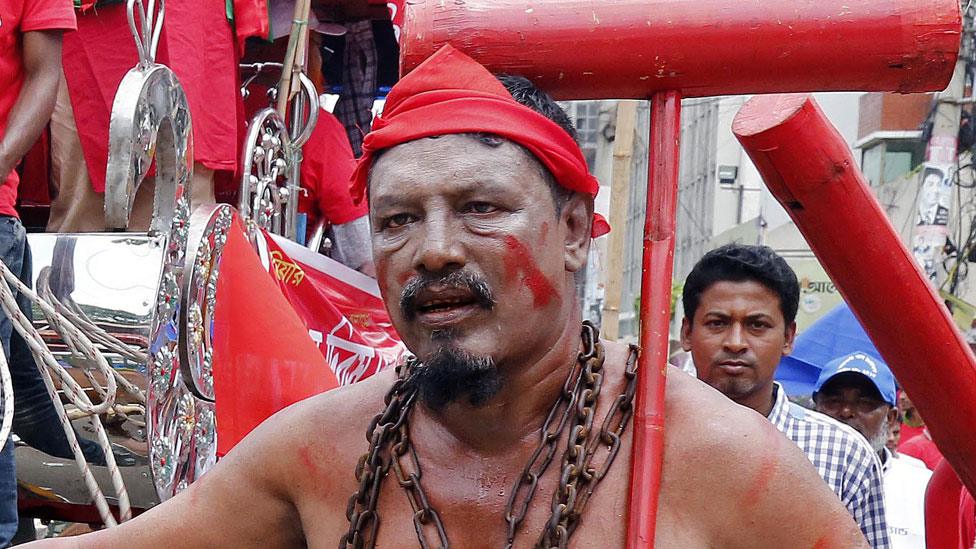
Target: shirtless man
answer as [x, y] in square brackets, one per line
[499, 337]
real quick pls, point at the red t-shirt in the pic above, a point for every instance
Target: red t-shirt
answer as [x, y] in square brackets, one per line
[922, 447]
[908, 433]
[16, 18]
[327, 166]
[197, 43]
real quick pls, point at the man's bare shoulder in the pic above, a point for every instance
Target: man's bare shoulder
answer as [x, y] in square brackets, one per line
[318, 441]
[719, 454]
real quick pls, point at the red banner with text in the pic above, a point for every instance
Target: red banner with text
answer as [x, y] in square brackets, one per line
[341, 308]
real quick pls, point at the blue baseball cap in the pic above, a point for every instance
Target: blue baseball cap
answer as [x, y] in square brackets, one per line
[862, 363]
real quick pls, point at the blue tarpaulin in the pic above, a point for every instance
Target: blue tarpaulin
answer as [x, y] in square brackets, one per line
[836, 334]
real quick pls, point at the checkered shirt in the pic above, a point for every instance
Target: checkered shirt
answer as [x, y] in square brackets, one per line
[843, 458]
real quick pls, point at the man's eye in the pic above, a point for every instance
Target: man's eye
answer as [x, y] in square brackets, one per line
[397, 221]
[480, 207]
[715, 323]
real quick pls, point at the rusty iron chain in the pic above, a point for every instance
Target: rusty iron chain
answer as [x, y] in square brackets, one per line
[374, 465]
[390, 446]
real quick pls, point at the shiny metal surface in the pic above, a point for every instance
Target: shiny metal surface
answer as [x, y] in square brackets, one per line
[182, 422]
[270, 180]
[82, 273]
[150, 119]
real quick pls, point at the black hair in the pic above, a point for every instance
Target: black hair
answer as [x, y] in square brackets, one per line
[526, 93]
[739, 263]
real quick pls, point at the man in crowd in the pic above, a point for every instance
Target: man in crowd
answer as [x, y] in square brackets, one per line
[859, 390]
[482, 212]
[740, 306]
[327, 165]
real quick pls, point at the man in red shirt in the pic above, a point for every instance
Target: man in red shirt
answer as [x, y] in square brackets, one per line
[30, 64]
[197, 42]
[327, 166]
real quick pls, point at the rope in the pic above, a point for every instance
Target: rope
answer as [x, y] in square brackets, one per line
[48, 367]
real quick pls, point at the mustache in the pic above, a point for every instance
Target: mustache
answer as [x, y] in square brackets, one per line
[458, 280]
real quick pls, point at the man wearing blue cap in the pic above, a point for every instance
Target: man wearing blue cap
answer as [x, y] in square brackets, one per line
[859, 390]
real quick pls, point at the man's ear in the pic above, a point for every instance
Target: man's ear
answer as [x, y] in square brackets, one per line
[892, 415]
[577, 217]
[686, 334]
[790, 338]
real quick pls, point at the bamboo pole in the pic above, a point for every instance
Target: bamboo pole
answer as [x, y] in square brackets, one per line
[623, 156]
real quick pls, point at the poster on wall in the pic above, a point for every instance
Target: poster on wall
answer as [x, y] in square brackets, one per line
[935, 195]
[932, 216]
[927, 245]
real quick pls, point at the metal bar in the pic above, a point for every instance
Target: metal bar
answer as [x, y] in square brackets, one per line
[808, 167]
[659, 228]
[629, 49]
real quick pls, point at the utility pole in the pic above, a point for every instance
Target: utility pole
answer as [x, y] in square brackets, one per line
[623, 156]
[937, 178]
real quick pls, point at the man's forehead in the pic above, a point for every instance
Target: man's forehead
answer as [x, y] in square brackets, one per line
[854, 383]
[458, 161]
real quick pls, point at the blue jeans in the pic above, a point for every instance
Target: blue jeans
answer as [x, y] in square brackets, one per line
[15, 254]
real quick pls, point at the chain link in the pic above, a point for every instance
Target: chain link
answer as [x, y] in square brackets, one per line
[390, 448]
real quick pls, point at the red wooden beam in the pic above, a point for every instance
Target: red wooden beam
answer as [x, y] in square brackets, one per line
[655, 315]
[594, 49]
[809, 168]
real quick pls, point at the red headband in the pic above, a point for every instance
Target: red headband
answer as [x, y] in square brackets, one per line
[451, 93]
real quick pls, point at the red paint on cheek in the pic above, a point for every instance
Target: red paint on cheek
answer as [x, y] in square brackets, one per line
[403, 277]
[519, 262]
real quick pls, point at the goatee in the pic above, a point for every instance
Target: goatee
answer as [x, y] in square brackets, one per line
[451, 374]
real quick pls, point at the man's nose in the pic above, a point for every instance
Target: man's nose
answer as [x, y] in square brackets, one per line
[735, 340]
[439, 249]
[846, 411]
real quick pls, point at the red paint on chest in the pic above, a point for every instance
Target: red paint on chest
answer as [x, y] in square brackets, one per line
[519, 264]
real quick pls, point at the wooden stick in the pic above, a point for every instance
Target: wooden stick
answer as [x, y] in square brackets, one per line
[623, 156]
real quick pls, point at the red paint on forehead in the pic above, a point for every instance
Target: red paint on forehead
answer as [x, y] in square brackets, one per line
[519, 264]
[544, 232]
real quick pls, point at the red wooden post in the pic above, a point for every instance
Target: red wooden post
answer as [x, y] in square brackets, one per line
[630, 49]
[808, 167]
[655, 314]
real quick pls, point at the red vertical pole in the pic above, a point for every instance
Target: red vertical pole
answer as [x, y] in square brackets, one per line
[655, 305]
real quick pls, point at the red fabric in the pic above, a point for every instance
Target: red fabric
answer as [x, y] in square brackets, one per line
[451, 93]
[103, 51]
[251, 19]
[342, 310]
[263, 357]
[922, 447]
[908, 433]
[967, 518]
[16, 18]
[942, 498]
[327, 165]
